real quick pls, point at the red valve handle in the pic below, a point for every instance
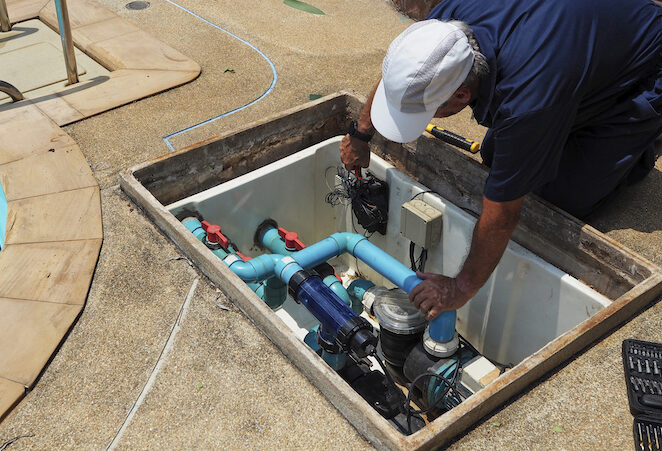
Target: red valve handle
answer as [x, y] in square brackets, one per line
[214, 234]
[291, 239]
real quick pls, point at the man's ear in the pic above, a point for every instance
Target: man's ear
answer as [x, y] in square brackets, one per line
[463, 94]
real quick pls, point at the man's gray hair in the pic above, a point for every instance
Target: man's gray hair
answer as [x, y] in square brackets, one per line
[480, 68]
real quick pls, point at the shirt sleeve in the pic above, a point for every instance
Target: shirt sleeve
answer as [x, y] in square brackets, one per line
[524, 151]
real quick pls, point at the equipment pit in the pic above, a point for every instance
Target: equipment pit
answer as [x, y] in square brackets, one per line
[560, 285]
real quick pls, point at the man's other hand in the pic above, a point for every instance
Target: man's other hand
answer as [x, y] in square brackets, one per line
[436, 294]
[354, 152]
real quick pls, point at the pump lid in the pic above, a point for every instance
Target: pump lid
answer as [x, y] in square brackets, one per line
[396, 314]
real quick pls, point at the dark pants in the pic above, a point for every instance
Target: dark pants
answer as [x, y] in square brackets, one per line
[599, 160]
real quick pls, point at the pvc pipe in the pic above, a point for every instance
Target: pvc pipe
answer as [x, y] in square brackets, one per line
[356, 291]
[358, 246]
[336, 286]
[272, 241]
[255, 269]
[194, 226]
[311, 339]
[67, 42]
[275, 293]
[258, 288]
[441, 329]
[5, 25]
[335, 361]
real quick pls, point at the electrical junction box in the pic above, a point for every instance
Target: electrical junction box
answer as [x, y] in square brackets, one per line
[420, 222]
[477, 373]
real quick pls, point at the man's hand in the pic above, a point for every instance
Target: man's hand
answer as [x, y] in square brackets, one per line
[436, 294]
[491, 234]
[354, 152]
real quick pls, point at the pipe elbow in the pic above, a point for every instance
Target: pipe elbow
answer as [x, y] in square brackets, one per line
[347, 241]
[254, 270]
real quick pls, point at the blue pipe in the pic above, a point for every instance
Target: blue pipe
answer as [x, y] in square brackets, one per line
[275, 293]
[335, 361]
[442, 328]
[358, 287]
[311, 338]
[273, 241]
[356, 291]
[336, 286]
[195, 227]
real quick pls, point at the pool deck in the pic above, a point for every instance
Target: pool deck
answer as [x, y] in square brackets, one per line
[120, 378]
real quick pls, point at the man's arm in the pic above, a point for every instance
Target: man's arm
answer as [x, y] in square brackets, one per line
[353, 151]
[490, 237]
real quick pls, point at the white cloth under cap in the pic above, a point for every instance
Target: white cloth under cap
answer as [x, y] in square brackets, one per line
[423, 67]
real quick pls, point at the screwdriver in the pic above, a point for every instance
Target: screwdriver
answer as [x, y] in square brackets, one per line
[453, 138]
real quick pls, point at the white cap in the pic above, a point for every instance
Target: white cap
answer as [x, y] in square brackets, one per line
[422, 69]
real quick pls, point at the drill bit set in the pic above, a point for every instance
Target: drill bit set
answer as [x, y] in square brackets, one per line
[642, 362]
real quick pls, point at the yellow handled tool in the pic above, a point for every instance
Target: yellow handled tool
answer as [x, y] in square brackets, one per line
[454, 139]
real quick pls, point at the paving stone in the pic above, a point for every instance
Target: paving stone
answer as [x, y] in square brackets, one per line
[124, 86]
[21, 10]
[81, 13]
[69, 215]
[24, 67]
[10, 392]
[25, 130]
[62, 169]
[29, 333]
[87, 35]
[56, 108]
[54, 272]
[139, 50]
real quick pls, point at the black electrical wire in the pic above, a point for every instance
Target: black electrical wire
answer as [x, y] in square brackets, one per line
[386, 372]
[412, 260]
[422, 259]
[407, 406]
[502, 367]
[420, 194]
[411, 411]
[418, 265]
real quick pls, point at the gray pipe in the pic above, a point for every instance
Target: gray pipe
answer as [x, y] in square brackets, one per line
[67, 42]
[5, 25]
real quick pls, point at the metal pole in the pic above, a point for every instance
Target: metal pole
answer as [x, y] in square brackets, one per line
[67, 42]
[5, 25]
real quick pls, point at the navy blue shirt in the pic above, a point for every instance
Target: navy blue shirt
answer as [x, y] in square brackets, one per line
[558, 68]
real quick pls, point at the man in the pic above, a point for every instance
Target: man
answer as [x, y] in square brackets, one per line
[571, 91]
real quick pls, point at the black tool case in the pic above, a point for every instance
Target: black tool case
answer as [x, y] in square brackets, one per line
[642, 361]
